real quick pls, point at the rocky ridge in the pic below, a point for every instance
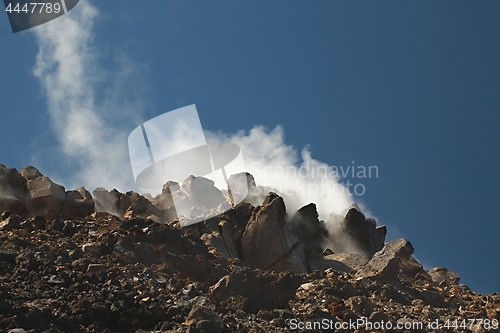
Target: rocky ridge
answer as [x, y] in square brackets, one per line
[120, 262]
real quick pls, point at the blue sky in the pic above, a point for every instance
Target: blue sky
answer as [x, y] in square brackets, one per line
[411, 87]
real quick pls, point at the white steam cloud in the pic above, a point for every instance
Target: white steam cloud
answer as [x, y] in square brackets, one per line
[68, 71]
[93, 137]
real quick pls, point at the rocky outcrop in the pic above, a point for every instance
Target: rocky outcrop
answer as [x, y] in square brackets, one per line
[77, 204]
[12, 191]
[268, 242]
[43, 196]
[355, 233]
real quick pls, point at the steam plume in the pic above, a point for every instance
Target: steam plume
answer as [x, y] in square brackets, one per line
[68, 71]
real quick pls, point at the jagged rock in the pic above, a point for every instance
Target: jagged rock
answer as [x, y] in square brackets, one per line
[202, 319]
[12, 191]
[268, 242]
[252, 291]
[357, 234]
[125, 201]
[385, 263]
[165, 203]
[43, 196]
[442, 275]
[309, 230]
[142, 207]
[78, 203]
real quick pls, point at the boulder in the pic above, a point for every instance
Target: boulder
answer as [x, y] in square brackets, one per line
[78, 204]
[254, 290]
[268, 242]
[385, 264]
[12, 191]
[43, 196]
[357, 234]
[442, 275]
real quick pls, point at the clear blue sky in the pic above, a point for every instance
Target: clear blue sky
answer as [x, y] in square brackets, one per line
[411, 87]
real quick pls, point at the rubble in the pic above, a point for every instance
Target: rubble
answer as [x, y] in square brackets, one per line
[120, 262]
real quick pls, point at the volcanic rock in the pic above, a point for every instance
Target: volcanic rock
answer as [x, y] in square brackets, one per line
[358, 234]
[78, 203]
[385, 263]
[202, 319]
[442, 275]
[137, 274]
[252, 291]
[142, 207]
[12, 191]
[165, 203]
[44, 197]
[309, 230]
[12, 222]
[268, 242]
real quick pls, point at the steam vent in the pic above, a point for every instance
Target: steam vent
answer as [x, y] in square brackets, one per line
[75, 261]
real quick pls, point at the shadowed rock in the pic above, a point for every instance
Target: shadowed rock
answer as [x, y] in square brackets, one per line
[309, 230]
[444, 276]
[78, 203]
[268, 242]
[358, 234]
[12, 191]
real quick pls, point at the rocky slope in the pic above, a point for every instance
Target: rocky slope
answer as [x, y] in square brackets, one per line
[120, 262]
